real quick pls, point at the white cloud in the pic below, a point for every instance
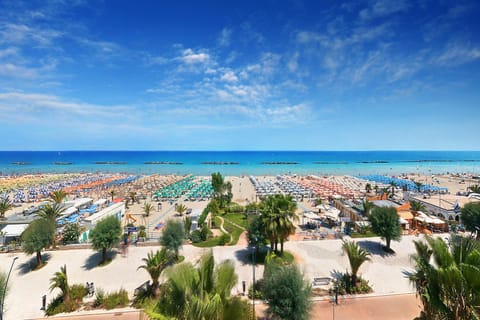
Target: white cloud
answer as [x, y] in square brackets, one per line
[224, 38]
[457, 54]
[229, 76]
[39, 103]
[22, 34]
[191, 57]
[293, 62]
[381, 8]
[15, 71]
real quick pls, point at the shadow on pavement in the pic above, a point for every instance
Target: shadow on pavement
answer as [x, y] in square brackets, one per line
[95, 259]
[29, 265]
[375, 247]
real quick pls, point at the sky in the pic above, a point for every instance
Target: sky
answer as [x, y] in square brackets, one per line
[239, 75]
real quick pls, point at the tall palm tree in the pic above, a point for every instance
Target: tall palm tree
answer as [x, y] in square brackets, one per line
[58, 196]
[418, 185]
[367, 206]
[5, 205]
[202, 292]
[181, 208]
[155, 263]
[51, 213]
[376, 189]
[449, 286]
[112, 194]
[278, 211]
[416, 206]
[356, 256]
[393, 185]
[60, 281]
[147, 208]
[368, 188]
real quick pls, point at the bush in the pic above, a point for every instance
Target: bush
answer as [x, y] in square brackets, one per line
[258, 290]
[196, 236]
[99, 298]
[71, 233]
[223, 239]
[116, 299]
[59, 306]
[345, 285]
[78, 291]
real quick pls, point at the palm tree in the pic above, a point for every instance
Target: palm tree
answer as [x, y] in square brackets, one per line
[187, 223]
[58, 196]
[278, 211]
[181, 208]
[368, 188]
[475, 188]
[393, 185]
[449, 286]
[51, 213]
[376, 189]
[202, 292]
[418, 185]
[318, 201]
[367, 207]
[147, 208]
[5, 205]
[60, 281]
[112, 194]
[133, 196]
[155, 263]
[356, 256]
[416, 206]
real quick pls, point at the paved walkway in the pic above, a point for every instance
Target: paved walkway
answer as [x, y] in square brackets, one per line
[393, 307]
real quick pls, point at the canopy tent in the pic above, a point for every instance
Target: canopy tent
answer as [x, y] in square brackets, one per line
[310, 215]
[14, 230]
[100, 202]
[69, 211]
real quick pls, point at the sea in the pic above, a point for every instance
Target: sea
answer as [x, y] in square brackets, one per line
[241, 162]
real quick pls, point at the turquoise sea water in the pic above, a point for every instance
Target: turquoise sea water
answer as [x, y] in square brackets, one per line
[241, 162]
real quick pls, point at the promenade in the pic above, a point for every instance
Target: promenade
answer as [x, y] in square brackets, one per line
[385, 273]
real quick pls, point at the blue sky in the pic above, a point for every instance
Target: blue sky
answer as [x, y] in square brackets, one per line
[243, 75]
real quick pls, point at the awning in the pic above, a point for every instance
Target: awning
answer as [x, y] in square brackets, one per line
[310, 215]
[14, 230]
[100, 202]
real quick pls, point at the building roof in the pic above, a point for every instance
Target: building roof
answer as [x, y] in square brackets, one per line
[14, 230]
[446, 201]
[385, 203]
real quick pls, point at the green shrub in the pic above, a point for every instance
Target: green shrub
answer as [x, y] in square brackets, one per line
[223, 239]
[78, 291]
[57, 306]
[99, 298]
[258, 290]
[345, 285]
[116, 299]
[196, 236]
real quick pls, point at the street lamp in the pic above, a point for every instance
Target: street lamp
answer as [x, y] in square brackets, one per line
[253, 286]
[5, 288]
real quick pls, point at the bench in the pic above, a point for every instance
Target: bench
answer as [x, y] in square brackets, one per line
[322, 281]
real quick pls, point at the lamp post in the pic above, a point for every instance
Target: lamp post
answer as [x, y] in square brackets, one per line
[253, 285]
[5, 288]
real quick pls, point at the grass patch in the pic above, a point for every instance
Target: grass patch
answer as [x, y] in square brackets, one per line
[238, 218]
[233, 230]
[212, 242]
[116, 299]
[286, 258]
[367, 234]
[180, 259]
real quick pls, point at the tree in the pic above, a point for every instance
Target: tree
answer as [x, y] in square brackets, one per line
[60, 281]
[112, 194]
[367, 207]
[147, 208]
[256, 232]
[133, 196]
[155, 263]
[202, 292]
[105, 235]
[5, 205]
[418, 185]
[278, 211]
[173, 236]
[51, 213]
[475, 188]
[470, 216]
[318, 201]
[286, 291]
[386, 223]
[71, 233]
[222, 190]
[356, 257]
[368, 188]
[376, 189]
[448, 286]
[58, 196]
[38, 236]
[416, 206]
[393, 185]
[187, 223]
[181, 208]
[3, 290]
